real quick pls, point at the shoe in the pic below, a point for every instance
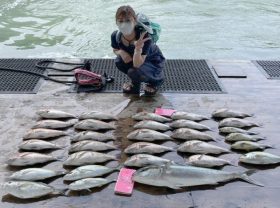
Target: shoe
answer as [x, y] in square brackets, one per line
[130, 88]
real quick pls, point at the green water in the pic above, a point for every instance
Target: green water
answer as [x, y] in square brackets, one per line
[232, 29]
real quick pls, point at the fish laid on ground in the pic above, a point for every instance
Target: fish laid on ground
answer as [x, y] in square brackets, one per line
[189, 124]
[228, 113]
[97, 115]
[88, 171]
[237, 122]
[87, 158]
[54, 124]
[146, 147]
[191, 134]
[249, 146]
[207, 161]
[92, 135]
[148, 135]
[228, 130]
[178, 176]
[233, 137]
[36, 144]
[91, 145]
[29, 158]
[54, 114]
[88, 183]
[154, 125]
[35, 174]
[43, 134]
[260, 158]
[95, 125]
[150, 116]
[188, 116]
[141, 160]
[200, 147]
[28, 189]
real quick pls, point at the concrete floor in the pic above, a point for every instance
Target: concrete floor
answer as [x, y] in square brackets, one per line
[255, 94]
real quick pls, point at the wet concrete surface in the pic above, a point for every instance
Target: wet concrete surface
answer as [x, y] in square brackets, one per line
[255, 94]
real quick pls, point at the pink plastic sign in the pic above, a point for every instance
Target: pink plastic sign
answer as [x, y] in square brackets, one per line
[124, 184]
[164, 112]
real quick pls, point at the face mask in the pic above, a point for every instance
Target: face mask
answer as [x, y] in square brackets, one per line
[126, 28]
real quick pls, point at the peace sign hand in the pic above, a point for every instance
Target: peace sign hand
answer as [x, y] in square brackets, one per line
[140, 42]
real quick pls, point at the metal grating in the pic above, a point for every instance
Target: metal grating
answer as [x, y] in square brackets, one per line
[185, 76]
[17, 82]
[271, 69]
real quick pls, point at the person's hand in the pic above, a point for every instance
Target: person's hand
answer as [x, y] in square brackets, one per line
[125, 56]
[140, 42]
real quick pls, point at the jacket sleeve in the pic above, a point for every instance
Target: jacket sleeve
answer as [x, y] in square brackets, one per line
[114, 43]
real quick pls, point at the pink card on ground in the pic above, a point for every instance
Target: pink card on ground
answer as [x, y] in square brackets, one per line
[164, 112]
[124, 184]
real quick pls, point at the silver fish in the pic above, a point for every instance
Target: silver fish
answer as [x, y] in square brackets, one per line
[146, 147]
[260, 158]
[28, 189]
[29, 158]
[88, 183]
[188, 116]
[154, 125]
[88, 171]
[237, 122]
[91, 145]
[249, 146]
[95, 125]
[54, 124]
[200, 147]
[87, 158]
[178, 176]
[228, 130]
[36, 144]
[35, 174]
[191, 134]
[148, 135]
[54, 114]
[150, 116]
[98, 116]
[188, 124]
[92, 135]
[207, 161]
[43, 134]
[141, 160]
[233, 137]
[228, 113]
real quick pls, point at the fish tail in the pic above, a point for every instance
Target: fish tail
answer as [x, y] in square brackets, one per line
[245, 176]
[61, 192]
[120, 166]
[61, 172]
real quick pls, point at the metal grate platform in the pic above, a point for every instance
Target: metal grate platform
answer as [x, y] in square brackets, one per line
[17, 82]
[181, 76]
[271, 69]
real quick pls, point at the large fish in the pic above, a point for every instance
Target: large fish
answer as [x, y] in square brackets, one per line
[249, 146]
[43, 134]
[36, 144]
[200, 147]
[88, 183]
[29, 189]
[228, 113]
[150, 116]
[228, 130]
[178, 176]
[91, 145]
[29, 158]
[207, 161]
[191, 134]
[181, 123]
[237, 122]
[35, 174]
[146, 147]
[54, 114]
[54, 124]
[188, 116]
[88, 171]
[97, 115]
[233, 137]
[141, 160]
[94, 125]
[87, 158]
[154, 125]
[260, 158]
[148, 135]
[92, 135]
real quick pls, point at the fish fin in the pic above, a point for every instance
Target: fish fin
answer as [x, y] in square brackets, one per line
[253, 133]
[174, 187]
[88, 190]
[270, 146]
[200, 157]
[245, 176]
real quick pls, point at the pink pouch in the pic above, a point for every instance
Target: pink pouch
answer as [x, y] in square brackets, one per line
[164, 112]
[124, 184]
